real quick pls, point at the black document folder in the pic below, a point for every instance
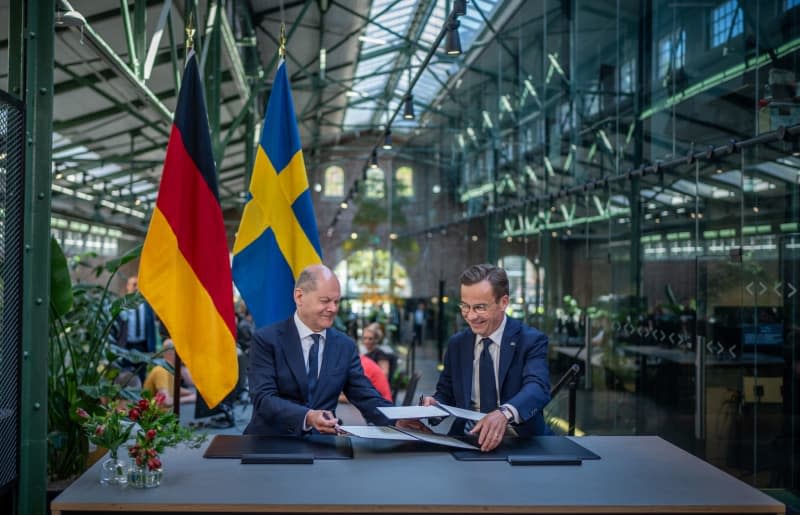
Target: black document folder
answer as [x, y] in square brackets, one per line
[524, 449]
[321, 447]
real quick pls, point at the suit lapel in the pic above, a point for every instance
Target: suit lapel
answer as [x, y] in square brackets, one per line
[467, 346]
[328, 356]
[290, 340]
[508, 347]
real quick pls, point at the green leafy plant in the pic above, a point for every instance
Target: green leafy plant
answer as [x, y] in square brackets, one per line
[81, 355]
[109, 428]
[159, 428]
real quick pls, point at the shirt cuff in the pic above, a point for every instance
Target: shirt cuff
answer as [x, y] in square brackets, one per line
[306, 427]
[513, 412]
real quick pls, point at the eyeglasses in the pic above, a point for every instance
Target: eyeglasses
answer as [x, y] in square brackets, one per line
[479, 309]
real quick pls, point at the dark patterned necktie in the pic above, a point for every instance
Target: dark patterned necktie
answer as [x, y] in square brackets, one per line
[313, 367]
[486, 380]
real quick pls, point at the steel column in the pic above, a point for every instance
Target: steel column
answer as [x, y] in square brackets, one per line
[40, 37]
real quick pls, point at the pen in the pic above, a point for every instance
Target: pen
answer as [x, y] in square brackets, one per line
[328, 416]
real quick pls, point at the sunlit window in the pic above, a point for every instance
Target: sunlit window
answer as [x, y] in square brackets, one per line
[726, 22]
[375, 183]
[627, 76]
[404, 182]
[525, 281]
[792, 3]
[334, 182]
[671, 52]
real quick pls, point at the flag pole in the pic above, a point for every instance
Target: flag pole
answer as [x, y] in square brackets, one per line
[176, 378]
[282, 42]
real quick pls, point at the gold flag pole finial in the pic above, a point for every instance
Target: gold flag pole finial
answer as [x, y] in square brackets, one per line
[189, 34]
[282, 47]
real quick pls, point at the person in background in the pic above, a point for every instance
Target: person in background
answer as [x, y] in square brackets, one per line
[371, 337]
[419, 323]
[137, 330]
[162, 380]
[299, 366]
[375, 376]
[245, 327]
[498, 366]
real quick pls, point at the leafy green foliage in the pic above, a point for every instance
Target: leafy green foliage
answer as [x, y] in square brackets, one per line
[81, 355]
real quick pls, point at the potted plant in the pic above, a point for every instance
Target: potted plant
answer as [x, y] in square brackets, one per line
[81, 357]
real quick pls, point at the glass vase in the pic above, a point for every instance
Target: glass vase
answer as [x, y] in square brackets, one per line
[143, 477]
[113, 471]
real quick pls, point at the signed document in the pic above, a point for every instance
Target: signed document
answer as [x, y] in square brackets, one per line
[394, 433]
[440, 410]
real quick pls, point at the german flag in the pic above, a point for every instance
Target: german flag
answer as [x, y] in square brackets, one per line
[185, 271]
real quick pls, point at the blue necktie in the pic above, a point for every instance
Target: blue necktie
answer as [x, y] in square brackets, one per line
[486, 379]
[313, 357]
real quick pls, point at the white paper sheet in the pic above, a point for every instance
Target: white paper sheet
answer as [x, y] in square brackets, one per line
[398, 412]
[462, 413]
[377, 432]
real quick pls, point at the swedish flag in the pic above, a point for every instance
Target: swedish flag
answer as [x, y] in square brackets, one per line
[277, 236]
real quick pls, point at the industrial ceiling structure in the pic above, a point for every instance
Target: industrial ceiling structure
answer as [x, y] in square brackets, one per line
[118, 69]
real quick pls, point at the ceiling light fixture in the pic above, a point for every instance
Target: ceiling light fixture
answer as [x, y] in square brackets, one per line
[69, 19]
[387, 140]
[374, 161]
[452, 45]
[408, 109]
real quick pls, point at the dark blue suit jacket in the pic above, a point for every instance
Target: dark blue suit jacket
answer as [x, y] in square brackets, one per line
[279, 383]
[523, 375]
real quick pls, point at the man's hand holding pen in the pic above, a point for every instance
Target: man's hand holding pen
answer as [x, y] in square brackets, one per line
[427, 401]
[323, 421]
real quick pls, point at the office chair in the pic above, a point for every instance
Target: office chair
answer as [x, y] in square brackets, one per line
[411, 389]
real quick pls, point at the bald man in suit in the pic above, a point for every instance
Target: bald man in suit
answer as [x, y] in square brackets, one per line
[298, 367]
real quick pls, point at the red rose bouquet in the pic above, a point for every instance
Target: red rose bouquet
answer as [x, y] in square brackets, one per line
[159, 428]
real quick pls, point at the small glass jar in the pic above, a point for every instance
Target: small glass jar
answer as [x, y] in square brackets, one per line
[141, 476]
[113, 470]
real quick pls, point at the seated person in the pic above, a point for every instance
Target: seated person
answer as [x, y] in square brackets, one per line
[371, 337]
[161, 380]
[376, 377]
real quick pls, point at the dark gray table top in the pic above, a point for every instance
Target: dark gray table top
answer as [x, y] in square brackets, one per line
[635, 474]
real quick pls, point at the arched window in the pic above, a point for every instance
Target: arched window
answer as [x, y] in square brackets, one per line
[404, 182]
[366, 272]
[334, 182]
[375, 183]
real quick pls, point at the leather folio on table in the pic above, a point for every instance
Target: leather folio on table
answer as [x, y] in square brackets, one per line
[251, 449]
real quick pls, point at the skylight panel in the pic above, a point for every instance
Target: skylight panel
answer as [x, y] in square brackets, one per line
[389, 28]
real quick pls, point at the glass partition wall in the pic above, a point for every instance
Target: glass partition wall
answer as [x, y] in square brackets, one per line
[634, 165]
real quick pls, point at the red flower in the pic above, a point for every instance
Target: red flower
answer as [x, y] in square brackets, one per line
[143, 404]
[133, 450]
[160, 398]
[154, 463]
[133, 414]
[82, 413]
[151, 433]
[99, 430]
[152, 453]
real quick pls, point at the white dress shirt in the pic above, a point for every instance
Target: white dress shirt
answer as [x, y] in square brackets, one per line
[494, 351]
[306, 341]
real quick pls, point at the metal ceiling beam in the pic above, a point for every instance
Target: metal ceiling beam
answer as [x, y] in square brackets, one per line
[415, 29]
[118, 106]
[105, 51]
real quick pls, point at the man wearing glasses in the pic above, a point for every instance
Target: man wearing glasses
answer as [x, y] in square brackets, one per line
[498, 366]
